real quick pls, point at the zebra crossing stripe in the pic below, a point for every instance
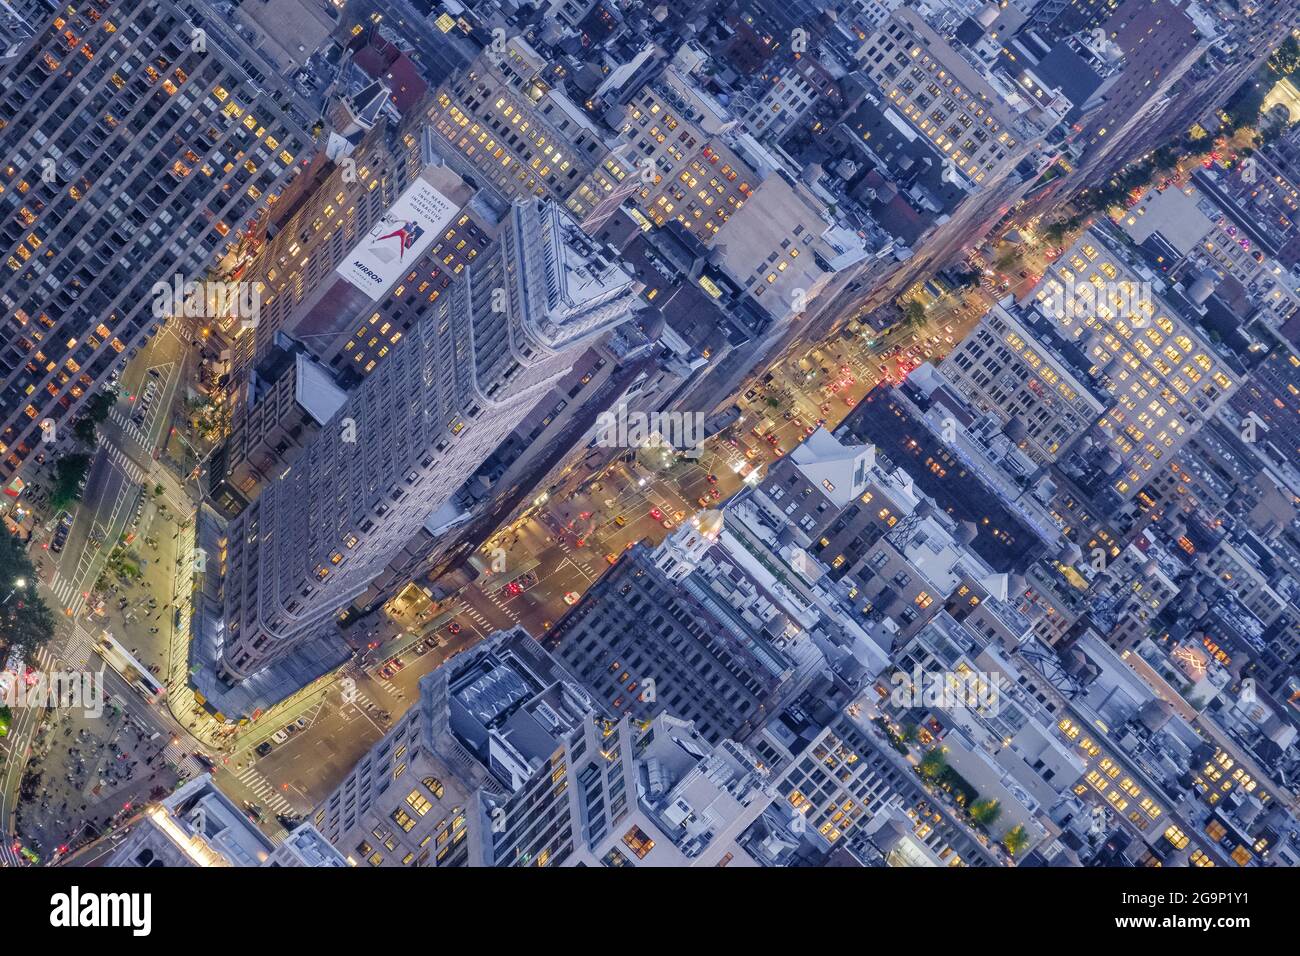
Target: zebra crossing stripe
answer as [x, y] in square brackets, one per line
[174, 753]
[128, 466]
[78, 650]
[63, 589]
[252, 779]
[127, 425]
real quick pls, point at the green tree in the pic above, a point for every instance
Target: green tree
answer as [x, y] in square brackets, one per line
[1009, 261]
[914, 313]
[1016, 839]
[1285, 60]
[25, 622]
[1243, 108]
[932, 764]
[93, 412]
[984, 812]
[68, 473]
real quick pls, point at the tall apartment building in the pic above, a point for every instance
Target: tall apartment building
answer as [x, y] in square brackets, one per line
[1054, 20]
[1163, 379]
[130, 157]
[17, 26]
[773, 241]
[782, 248]
[367, 162]
[771, 103]
[694, 802]
[987, 152]
[288, 400]
[1135, 588]
[646, 640]
[513, 133]
[1002, 367]
[619, 369]
[691, 175]
[944, 97]
[332, 288]
[503, 761]
[1272, 395]
[407, 438]
[1159, 42]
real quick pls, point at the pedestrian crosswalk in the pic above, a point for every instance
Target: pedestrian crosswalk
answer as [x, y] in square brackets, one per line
[126, 464]
[182, 760]
[9, 856]
[79, 648]
[363, 702]
[477, 617]
[42, 660]
[64, 589]
[495, 598]
[266, 792]
[123, 420]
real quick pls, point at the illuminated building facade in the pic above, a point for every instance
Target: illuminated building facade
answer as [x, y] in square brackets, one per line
[513, 133]
[1001, 367]
[1163, 378]
[942, 96]
[130, 157]
[405, 440]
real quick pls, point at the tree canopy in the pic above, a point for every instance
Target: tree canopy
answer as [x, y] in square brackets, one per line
[68, 472]
[932, 764]
[25, 622]
[93, 412]
[1015, 839]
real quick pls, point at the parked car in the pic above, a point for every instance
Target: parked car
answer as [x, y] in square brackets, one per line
[280, 736]
[263, 748]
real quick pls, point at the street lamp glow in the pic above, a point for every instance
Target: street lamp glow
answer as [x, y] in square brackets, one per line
[20, 583]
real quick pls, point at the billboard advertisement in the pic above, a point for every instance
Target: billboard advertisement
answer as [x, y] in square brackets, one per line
[393, 244]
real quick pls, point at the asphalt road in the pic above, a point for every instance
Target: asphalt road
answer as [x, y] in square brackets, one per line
[123, 468]
[565, 546]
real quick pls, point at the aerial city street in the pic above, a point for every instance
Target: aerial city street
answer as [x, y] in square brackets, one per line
[764, 433]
